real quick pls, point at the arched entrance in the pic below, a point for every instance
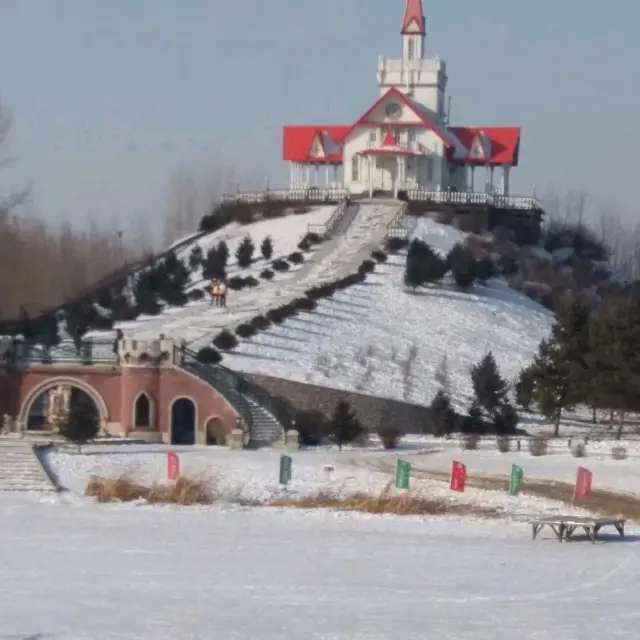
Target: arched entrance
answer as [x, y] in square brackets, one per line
[47, 401]
[216, 433]
[183, 421]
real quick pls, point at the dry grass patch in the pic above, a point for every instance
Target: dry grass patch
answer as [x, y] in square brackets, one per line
[387, 502]
[185, 491]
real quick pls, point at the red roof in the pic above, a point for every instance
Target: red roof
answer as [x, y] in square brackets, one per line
[493, 145]
[298, 142]
[413, 14]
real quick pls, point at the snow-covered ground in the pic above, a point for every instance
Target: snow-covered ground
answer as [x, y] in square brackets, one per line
[74, 570]
[558, 464]
[252, 476]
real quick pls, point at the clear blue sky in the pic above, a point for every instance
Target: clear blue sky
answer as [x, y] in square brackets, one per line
[111, 96]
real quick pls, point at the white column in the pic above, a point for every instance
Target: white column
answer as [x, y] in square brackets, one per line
[335, 173]
[491, 178]
[507, 170]
[307, 177]
[326, 175]
[473, 178]
[317, 181]
[370, 162]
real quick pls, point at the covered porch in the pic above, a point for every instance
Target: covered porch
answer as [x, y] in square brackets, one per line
[392, 169]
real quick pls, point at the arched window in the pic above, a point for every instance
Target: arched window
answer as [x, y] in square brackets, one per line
[142, 411]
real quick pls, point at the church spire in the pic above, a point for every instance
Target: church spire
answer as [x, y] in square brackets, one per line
[414, 23]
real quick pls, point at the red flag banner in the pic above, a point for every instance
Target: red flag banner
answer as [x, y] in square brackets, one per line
[458, 476]
[173, 466]
[583, 484]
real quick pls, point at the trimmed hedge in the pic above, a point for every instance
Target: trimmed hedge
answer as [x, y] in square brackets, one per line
[379, 256]
[321, 291]
[296, 258]
[367, 266]
[304, 304]
[312, 238]
[225, 341]
[394, 245]
[236, 283]
[304, 245]
[275, 316]
[250, 281]
[260, 323]
[280, 265]
[267, 274]
[245, 330]
[195, 294]
[209, 355]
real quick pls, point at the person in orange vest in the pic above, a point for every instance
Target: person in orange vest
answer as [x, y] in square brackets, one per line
[215, 293]
[223, 293]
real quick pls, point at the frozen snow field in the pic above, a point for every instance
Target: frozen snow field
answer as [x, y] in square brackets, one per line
[76, 570]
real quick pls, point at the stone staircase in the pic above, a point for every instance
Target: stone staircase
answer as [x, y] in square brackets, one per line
[346, 220]
[20, 468]
[265, 429]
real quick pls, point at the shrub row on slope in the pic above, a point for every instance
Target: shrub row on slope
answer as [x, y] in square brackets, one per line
[227, 341]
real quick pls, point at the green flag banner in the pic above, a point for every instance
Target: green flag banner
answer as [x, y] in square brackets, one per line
[285, 469]
[515, 480]
[403, 472]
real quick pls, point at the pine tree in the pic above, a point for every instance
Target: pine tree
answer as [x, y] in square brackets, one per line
[213, 266]
[489, 388]
[442, 374]
[145, 292]
[245, 251]
[442, 417]
[614, 358]
[506, 419]
[344, 427]
[552, 385]
[196, 257]
[27, 326]
[413, 273]
[266, 248]
[81, 423]
[223, 253]
[524, 388]
[172, 278]
[463, 266]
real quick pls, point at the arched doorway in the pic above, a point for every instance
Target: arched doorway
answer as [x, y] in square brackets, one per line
[39, 408]
[183, 421]
[50, 408]
[142, 412]
[216, 433]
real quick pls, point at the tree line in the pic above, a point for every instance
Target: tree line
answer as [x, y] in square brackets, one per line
[591, 359]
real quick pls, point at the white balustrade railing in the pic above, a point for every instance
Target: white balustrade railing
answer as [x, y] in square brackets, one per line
[311, 194]
[470, 197]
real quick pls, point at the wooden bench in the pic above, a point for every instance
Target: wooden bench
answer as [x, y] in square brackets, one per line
[564, 526]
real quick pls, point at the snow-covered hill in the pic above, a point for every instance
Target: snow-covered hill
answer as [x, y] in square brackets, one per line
[376, 337]
[380, 339]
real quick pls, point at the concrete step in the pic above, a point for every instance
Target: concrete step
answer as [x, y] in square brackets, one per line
[265, 429]
[20, 468]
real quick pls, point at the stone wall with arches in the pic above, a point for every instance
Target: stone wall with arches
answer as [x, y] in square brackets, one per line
[115, 391]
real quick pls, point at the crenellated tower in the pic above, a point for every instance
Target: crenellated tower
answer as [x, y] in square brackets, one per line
[424, 79]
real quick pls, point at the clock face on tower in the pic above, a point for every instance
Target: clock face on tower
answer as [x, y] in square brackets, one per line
[393, 110]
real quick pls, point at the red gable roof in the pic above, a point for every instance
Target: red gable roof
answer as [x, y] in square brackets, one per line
[297, 142]
[421, 112]
[500, 145]
[413, 14]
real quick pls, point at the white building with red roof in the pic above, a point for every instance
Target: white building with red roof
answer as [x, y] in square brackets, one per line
[404, 140]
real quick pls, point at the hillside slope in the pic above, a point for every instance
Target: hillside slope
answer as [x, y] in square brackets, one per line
[197, 322]
[378, 338]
